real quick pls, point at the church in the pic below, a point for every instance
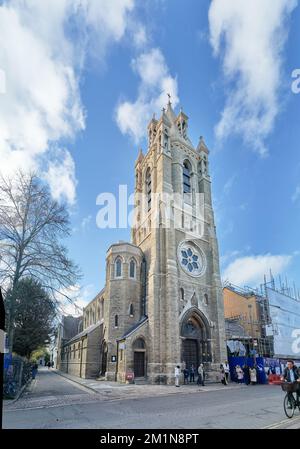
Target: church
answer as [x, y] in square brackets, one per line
[162, 302]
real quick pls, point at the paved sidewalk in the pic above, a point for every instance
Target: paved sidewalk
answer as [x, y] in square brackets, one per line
[115, 390]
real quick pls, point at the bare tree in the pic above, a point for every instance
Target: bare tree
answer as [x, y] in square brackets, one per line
[32, 225]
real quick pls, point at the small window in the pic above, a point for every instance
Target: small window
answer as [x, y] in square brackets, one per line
[132, 269]
[182, 294]
[205, 298]
[116, 321]
[131, 310]
[118, 267]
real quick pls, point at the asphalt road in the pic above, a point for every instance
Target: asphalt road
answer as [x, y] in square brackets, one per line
[56, 402]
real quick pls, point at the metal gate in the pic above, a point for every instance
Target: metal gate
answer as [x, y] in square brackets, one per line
[139, 364]
[190, 352]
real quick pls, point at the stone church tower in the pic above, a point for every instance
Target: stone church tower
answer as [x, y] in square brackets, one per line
[175, 230]
[162, 303]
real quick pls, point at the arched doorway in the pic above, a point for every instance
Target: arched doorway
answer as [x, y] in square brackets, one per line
[195, 335]
[139, 358]
[103, 358]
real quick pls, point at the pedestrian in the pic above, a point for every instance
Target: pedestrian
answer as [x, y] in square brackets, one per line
[177, 375]
[201, 375]
[34, 370]
[253, 375]
[246, 372]
[223, 376]
[52, 364]
[227, 370]
[49, 364]
[239, 373]
[185, 375]
[192, 373]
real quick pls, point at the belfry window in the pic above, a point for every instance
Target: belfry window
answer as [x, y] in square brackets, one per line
[186, 177]
[118, 268]
[148, 188]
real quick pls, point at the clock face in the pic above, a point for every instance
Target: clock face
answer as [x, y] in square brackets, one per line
[191, 258]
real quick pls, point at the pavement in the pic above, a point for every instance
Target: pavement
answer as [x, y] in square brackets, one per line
[54, 400]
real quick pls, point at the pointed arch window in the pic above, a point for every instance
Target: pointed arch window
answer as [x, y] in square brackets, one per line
[148, 188]
[132, 267]
[116, 321]
[186, 177]
[118, 267]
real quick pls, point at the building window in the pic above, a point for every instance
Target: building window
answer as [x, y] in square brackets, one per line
[79, 350]
[148, 188]
[118, 268]
[132, 269]
[116, 321]
[206, 298]
[186, 177]
[182, 294]
[131, 310]
[102, 308]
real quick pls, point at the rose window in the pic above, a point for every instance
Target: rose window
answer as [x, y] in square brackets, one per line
[190, 258]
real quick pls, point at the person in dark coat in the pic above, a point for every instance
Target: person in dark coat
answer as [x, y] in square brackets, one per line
[185, 376]
[292, 374]
[34, 370]
[246, 371]
[192, 373]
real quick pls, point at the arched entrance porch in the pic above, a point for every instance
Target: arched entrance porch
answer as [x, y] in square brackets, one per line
[195, 339]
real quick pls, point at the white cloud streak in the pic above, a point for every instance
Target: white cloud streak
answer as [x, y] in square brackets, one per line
[155, 83]
[250, 270]
[249, 36]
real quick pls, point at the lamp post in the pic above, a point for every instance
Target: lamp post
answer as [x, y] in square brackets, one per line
[2, 326]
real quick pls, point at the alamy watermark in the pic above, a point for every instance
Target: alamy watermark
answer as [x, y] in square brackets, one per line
[296, 83]
[140, 210]
[296, 342]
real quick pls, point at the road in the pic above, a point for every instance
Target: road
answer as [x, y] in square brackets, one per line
[53, 401]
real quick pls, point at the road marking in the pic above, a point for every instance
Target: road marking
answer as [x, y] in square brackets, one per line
[284, 421]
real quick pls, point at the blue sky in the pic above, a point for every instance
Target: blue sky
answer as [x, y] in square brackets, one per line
[217, 58]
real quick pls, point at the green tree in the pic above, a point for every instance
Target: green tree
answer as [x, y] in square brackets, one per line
[34, 317]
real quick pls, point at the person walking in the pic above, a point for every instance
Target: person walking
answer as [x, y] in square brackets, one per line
[34, 370]
[201, 374]
[223, 376]
[49, 364]
[246, 372]
[239, 373]
[177, 375]
[253, 375]
[192, 373]
[227, 370]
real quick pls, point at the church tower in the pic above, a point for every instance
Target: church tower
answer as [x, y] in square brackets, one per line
[174, 227]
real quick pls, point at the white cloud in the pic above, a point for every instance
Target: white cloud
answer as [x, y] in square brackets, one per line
[79, 297]
[296, 195]
[250, 270]
[250, 35]
[61, 177]
[155, 83]
[42, 64]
